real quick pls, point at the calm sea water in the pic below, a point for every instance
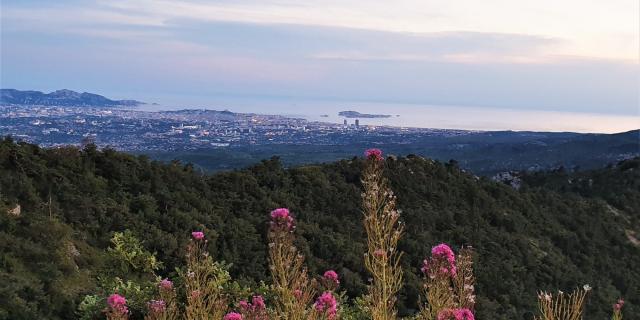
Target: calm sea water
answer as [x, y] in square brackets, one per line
[422, 116]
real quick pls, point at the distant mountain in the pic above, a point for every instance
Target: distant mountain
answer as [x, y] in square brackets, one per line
[62, 97]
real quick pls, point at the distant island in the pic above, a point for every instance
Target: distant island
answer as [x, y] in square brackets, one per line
[62, 97]
[356, 114]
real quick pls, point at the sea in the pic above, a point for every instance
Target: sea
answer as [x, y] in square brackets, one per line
[417, 115]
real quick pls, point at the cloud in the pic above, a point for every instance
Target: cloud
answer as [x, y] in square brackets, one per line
[342, 50]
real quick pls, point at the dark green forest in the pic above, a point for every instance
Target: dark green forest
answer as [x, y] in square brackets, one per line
[560, 230]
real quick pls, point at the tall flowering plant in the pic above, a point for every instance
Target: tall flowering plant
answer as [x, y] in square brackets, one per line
[326, 305]
[448, 284]
[562, 306]
[165, 307]
[383, 228]
[292, 286]
[617, 310]
[204, 282]
[254, 310]
[117, 307]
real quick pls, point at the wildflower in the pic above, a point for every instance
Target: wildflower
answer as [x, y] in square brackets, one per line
[373, 153]
[233, 316]
[463, 314]
[157, 306]
[446, 314]
[444, 251]
[379, 253]
[456, 314]
[327, 303]
[425, 266]
[331, 276]
[166, 284]
[258, 302]
[280, 213]
[297, 293]
[118, 303]
[197, 235]
[256, 305]
[618, 306]
[195, 294]
[282, 217]
[586, 287]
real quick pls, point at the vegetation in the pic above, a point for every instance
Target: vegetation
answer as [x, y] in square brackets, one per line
[72, 203]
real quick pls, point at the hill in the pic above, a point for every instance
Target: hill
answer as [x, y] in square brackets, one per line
[483, 153]
[62, 97]
[59, 208]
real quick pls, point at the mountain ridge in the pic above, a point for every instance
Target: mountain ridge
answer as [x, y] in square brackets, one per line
[544, 236]
[62, 97]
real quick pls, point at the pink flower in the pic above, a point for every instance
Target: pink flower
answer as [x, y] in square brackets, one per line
[258, 302]
[280, 213]
[297, 293]
[157, 306]
[331, 276]
[379, 253]
[373, 153]
[256, 305]
[118, 303]
[446, 314]
[618, 306]
[455, 314]
[195, 294]
[443, 251]
[463, 314]
[282, 218]
[197, 235]
[327, 303]
[425, 266]
[166, 284]
[233, 316]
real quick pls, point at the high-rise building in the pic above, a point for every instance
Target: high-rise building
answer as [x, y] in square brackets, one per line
[357, 123]
[345, 122]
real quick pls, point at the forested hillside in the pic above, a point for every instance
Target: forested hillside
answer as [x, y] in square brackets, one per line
[60, 207]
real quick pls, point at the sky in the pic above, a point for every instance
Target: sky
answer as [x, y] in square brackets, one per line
[549, 55]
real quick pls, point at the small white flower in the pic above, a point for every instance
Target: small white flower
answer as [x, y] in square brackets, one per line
[586, 287]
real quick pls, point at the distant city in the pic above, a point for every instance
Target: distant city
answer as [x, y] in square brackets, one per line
[133, 130]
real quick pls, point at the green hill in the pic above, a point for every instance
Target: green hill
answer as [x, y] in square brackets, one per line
[558, 231]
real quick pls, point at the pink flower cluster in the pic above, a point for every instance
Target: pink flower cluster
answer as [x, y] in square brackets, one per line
[157, 306]
[232, 316]
[439, 253]
[166, 285]
[456, 314]
[373, 153]
[118, 303]
[197, 235]
[282, 218]
[254, 310]
[332, 276]
[618, 306]
[327, 303]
